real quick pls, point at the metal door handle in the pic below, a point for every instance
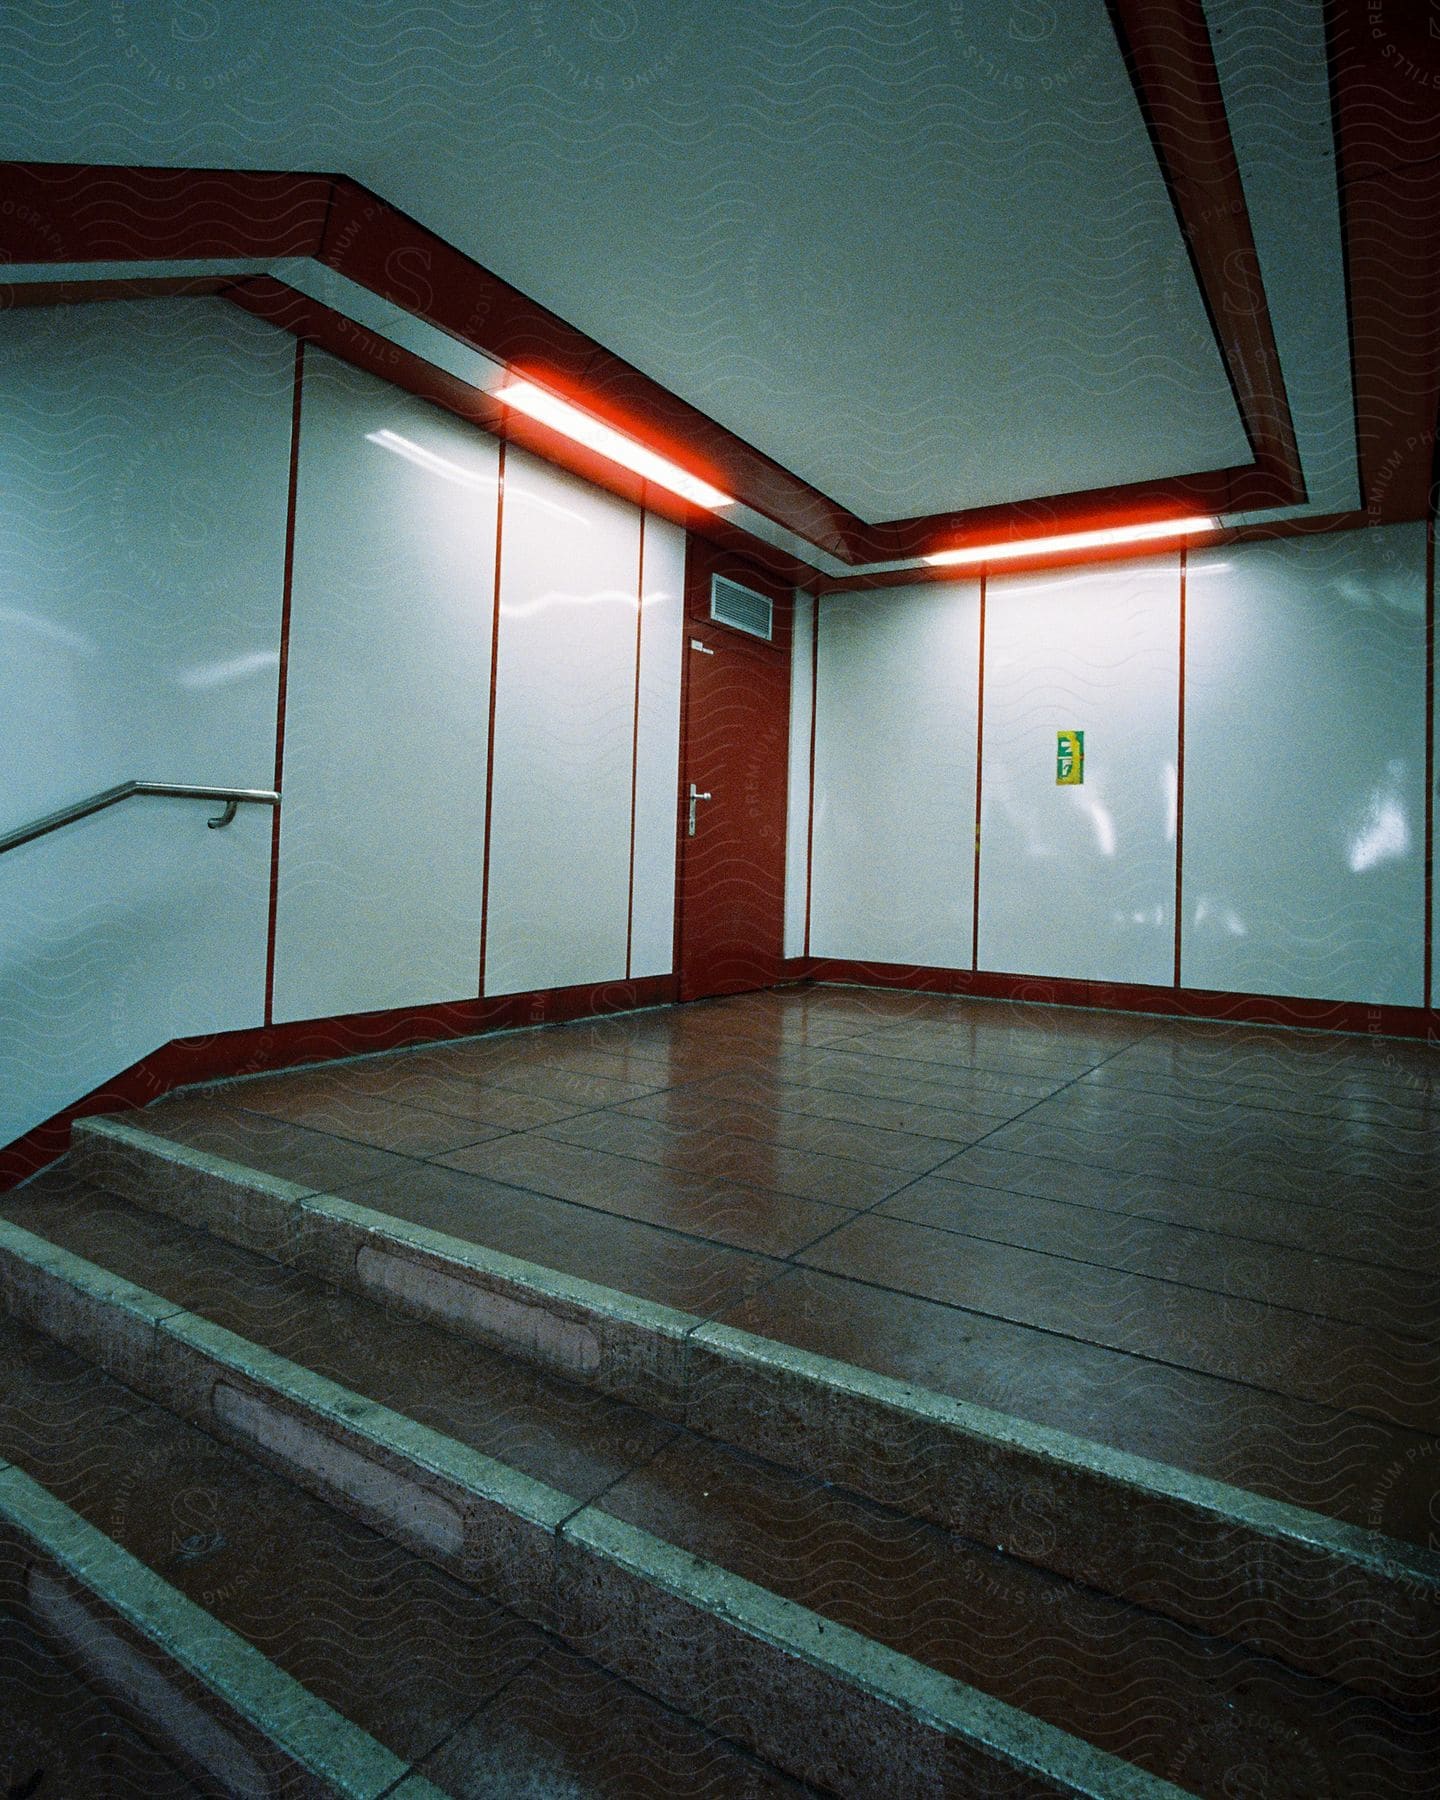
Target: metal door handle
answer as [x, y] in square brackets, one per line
[695, 795]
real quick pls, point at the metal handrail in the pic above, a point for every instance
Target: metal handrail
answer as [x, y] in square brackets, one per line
[229, 799]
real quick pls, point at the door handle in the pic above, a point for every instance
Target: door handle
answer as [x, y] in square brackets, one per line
[695, 795]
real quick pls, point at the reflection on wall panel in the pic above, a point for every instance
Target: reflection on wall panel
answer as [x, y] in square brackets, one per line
[382, 836]
[894, 843]
[142, 526]
[1079, 881]
[1304, 767]
[564, 733]
[797, 811]
[657, 750]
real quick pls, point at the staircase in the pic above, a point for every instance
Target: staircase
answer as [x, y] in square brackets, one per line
[322, 1501]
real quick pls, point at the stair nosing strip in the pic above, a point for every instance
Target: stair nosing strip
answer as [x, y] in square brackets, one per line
[1146, 1478]
[281, 1709]
[941, 1702]
[731, 1600]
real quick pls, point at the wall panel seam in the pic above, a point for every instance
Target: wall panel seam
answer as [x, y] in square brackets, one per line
[490, 727]
[283, 674]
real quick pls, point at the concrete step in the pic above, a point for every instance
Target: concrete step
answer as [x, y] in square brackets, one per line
[271, 1646]
[59, 1737]
[1323, 1595]
[839, 1639]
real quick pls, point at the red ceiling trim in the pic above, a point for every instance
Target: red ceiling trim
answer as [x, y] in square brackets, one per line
[342, 337]
[1383, 80]
[371, 242]
[89, 212]
[78, 213]
[1168, 52]
[1308, 525]
[80, 293]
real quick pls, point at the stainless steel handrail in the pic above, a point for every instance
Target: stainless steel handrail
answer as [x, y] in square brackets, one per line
[229, 799]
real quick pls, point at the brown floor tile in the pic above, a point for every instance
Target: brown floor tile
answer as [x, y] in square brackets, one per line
[716, 1156]
[748, 1218]
[370, 1119]
[1126, 1680]
[532, 1075]
[990, 1093]
[1404, 1242]
[1407, 1109]
[1288, 1165]
[1242, 1340]
[1373, 1474]
[1390, 1299]
[566, 1730]
[1035, 1060]
[801, 1118]
[642, 1259]
[313, 1159]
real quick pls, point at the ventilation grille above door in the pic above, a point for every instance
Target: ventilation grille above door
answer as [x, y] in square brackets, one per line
[741, 608]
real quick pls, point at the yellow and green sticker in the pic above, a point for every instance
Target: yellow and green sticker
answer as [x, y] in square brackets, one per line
[1069, 758]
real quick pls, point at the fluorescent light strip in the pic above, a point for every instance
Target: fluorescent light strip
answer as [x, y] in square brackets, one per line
[1015, 548]
[534, 401]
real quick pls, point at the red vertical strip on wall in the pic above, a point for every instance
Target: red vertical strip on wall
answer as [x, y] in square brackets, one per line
[814, 714]
[635, 743]
[979, 771]
[1180, 765]
[490, 729]
[1429, 759]
[283, 675]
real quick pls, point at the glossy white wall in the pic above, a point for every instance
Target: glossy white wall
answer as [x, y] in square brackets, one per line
[657, 750]
[564, 733]
[1305, 767]
[894, 848]
[797, 807]
[143, 469]
[387, 710]
[1080, 881]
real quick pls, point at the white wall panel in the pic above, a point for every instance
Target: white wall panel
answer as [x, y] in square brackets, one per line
[382, 837]
[657, 750]
[564, 733]
[797, 809]
[894, 847]
[143, 473]
[1080, 881]
[1304, 767]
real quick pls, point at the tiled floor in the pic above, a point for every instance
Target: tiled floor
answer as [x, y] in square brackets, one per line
[1212, 1244]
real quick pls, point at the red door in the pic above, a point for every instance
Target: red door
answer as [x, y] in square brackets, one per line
[735, 734]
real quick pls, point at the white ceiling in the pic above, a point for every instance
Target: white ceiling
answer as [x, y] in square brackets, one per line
[917, 251]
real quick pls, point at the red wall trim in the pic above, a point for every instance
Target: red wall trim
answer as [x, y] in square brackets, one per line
[979, 782]
[1429, 761]
[490, 728]
[1180, 768]
[1112, 996]
[635, 740]
[283, 676]
[187, 1060]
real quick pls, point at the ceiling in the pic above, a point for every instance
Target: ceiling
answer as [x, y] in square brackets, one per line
[922, 254]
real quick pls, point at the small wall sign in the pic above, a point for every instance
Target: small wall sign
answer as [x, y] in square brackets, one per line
[1069, 758]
